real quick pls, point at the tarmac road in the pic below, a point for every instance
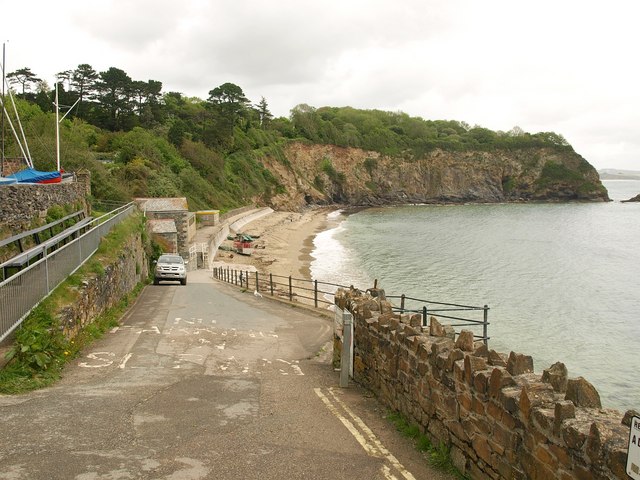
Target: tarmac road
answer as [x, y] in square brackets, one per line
[204, 382]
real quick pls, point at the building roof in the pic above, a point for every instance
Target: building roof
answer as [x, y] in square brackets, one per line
[162, 204]
[164, 225]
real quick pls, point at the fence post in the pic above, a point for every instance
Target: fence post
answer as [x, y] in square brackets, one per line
[271, 283]
[424, 316]
[485, 326]
[315, 293]
[257, 285]
[290, 290]
[346, 353]
[402, 303]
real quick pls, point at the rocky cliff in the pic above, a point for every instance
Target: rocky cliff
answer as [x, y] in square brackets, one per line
[322, 174]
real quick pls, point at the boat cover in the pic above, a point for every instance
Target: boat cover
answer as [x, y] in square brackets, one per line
[31, 175]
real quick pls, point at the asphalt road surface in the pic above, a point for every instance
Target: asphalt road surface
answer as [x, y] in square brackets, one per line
[204, 382]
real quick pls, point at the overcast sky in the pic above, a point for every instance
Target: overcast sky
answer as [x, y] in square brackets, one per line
[566, 66]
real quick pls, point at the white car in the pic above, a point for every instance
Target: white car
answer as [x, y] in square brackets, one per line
[170, 267]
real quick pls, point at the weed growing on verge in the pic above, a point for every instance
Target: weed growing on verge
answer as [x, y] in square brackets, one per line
[438, 455]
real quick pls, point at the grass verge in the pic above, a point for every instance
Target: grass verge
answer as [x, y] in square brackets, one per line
[437, 455]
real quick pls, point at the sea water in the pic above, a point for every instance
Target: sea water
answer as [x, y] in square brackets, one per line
[561, 280]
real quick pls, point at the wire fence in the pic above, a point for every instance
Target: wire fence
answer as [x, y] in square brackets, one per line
[317, 294]
[24, 290]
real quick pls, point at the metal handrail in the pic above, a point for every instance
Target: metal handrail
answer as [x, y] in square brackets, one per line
[242, 278]
[23, 291]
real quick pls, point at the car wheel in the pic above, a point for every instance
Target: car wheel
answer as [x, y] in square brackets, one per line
[156, 281]
[183, 281]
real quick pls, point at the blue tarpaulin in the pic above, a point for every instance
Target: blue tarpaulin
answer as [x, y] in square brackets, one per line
[31, 175]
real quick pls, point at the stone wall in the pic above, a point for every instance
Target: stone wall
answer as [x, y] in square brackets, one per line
[101, 292]
[499, 418]
[185, 226]
[22, 203]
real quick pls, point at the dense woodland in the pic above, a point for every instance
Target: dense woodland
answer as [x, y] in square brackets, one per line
[140, 141]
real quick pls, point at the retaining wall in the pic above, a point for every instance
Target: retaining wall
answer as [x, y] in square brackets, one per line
[21, 203]
[499, 418]
[99, 293]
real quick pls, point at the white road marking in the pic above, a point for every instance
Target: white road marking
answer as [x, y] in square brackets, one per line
[98, 356]
[125, 360]
[297, 369]
[386, 471]
[283, 361]
[221, 347]
[372, 445]
[153, 329]
[114, 329]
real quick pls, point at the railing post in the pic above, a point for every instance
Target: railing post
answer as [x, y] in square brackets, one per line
[402, 302]
[271, 283]
[257, 284]
[424, 316]
[290, 290]
[315, 293]
[485, 326]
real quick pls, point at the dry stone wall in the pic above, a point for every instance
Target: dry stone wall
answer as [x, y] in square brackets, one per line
[102, 292]
[499, 418]
[21, 203]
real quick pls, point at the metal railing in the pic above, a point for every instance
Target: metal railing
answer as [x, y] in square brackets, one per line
[474, 317]
[21, 292]
[314, 293]
[311, 292]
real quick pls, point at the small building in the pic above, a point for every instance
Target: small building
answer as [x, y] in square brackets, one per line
[175, 209]
[164, 233]
[208, 218]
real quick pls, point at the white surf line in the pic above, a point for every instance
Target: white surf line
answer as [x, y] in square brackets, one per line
[387, 454]
[370, 449]
[125, 359]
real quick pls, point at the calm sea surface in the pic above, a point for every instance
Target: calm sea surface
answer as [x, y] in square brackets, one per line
[561, 280]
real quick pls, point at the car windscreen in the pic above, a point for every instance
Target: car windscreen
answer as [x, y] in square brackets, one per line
[170, 260]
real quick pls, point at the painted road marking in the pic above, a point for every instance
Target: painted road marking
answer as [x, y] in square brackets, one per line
[368, 441]
[98, 356]
[125, 360]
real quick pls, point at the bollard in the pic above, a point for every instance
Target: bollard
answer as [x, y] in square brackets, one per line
[271, 283]
[347, 352]
[315, 293]
[485, 325]
[257, 286]
[290, 290]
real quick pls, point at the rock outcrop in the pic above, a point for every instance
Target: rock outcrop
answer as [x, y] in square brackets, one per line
[633, 199]
[327, 174]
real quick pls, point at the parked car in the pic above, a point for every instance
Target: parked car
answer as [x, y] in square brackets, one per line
[170, 267]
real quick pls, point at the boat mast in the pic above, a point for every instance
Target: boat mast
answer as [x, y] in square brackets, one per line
[2, 120]
[58, 121]
[57, 131]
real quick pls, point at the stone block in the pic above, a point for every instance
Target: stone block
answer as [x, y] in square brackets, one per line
[471, 365]
[481, 382]
[575, 433]
[454, 356]
[480, 349]
[510, 399]
[459, 459]
[518, 364]
[465, 341]
[563, 410]
[557, 375]
[497, 359]
[499, 379]
[629, 414]
[435, 327]
[481, 447]
[582, 393]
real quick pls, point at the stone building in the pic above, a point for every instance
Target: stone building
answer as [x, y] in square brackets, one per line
[175, 209]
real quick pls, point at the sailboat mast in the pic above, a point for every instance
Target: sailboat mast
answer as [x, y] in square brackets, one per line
[2, 120]
[57, 130]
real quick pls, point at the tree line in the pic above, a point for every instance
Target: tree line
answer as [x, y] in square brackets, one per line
[113, 101]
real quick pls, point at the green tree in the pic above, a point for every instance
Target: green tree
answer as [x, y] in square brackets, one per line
[83, 81]
[115, 89]
[23, 77]
[264, 115]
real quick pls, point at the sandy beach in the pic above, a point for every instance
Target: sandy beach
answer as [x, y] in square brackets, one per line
[283, 245]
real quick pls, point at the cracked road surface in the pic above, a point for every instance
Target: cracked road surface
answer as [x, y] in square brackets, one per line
[204, 382]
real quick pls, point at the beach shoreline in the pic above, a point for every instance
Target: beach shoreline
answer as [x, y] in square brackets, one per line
[283, 244]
